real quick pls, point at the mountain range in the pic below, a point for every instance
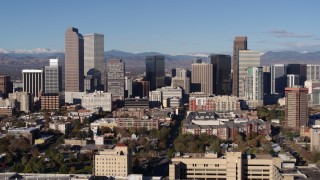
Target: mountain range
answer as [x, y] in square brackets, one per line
[12, 62]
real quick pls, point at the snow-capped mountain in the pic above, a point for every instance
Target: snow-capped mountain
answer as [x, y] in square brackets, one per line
[31, 51]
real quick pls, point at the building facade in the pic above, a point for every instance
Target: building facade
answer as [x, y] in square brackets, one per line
[296, 108]
[239, 43]
[6, 86]
[94, 57]
[247, 58]
[293, 80]
[181, 79]
[300, 70]
[313, 71]
[278, 78]
[254, 86]
[33, 81]
[24, 101]
[50, 101]
[53, 77]
[221, 74]
[315, 138]
[116, 78]
[74, 61]
[233, 166]
[155, 71]
[202, 77]
[113, 162]
[98, 99]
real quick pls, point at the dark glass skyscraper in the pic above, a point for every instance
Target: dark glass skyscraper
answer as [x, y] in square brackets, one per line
[298, 69]
[278, 78]
[221, 74]
[155, 71]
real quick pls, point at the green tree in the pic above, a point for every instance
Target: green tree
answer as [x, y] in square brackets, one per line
[63, 169]
[72, 170]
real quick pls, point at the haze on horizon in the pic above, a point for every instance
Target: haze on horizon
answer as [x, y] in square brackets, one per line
[170, 27]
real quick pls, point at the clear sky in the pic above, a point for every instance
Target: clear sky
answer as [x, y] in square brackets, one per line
[166, 26]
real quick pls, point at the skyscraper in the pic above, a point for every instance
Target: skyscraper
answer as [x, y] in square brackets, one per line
[6, 86]
[94, 57]
[53, 77]
[278, 78]
[74, 61]
[247, 58]
[254, 86]
[292, 80]
[221, 74]
[202, 77]
[181, 80]
[298, 69]
[32, 81]
[296, 109]
[313, 71]
[116, 78]
[155, 71]
[128, 86]
[266, 79]
[240, 43]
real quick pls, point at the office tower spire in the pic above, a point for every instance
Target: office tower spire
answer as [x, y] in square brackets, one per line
[74, 61]
[240, 43]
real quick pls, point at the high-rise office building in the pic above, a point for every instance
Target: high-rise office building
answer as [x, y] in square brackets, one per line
[298, 69]
[202, 77]
[313, 71]
[33, 81]
[278, 78]
[74, 61]
[128, 86]
[6, 86]
[221, 74]
[292, 80]
[240, 43]
[155, 71]
[266, 79]
[53, 77]
[313, 93]
[116, 78]
[247, 58]
[254, 86]
[296, 108]
[181, 79]
[94, 57]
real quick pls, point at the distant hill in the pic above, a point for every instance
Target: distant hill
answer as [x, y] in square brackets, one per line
[12, 62]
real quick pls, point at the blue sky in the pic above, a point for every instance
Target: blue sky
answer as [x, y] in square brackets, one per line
[166, 26]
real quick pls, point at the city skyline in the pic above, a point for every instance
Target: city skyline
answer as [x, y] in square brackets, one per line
[178, 27]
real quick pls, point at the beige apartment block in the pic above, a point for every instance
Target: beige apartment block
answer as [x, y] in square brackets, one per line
[113, 162]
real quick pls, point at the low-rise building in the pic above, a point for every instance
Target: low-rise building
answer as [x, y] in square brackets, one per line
[63, 127]
[103, 122]
[44, 140]
[7, 111]
[129, 112]
[216, 103]
[144, 122]
[233, 165]
[24, 101]
[222, 127]
[136, 103]
[115, 162]
[96, 100]
[29, 133]
[78, 142]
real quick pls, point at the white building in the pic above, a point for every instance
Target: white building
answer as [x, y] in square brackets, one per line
[161, 96]
[254, 87]
[103, 122]
[98, 99]
[313, 71]
[33, 81]
[24, 101]
[312, 85]
[63, 127]
[53, 77]
[247, 58]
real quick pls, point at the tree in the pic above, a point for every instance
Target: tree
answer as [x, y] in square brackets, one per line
[72, 170]
[63, 169]
[28, 169]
